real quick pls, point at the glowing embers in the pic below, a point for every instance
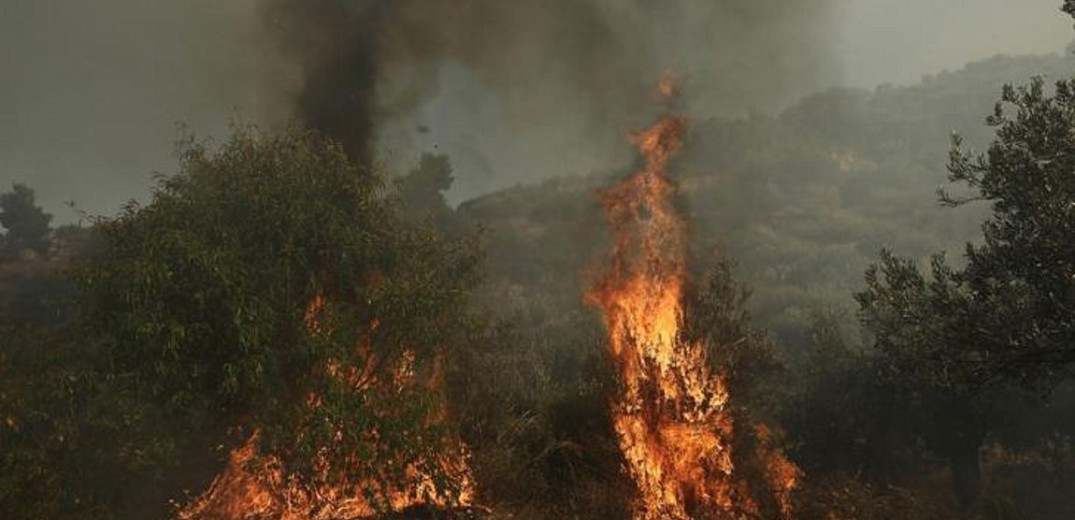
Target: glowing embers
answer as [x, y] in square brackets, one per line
[671, 413]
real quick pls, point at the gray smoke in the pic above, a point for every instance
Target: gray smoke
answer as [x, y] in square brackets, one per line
[519, 90]
[92, 93]
[513, 90]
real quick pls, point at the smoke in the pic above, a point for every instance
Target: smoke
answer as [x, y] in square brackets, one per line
[92, 93]
[513, 90]
[534, 88]
[899, 41]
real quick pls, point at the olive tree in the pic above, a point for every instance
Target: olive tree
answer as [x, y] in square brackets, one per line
[959, 339]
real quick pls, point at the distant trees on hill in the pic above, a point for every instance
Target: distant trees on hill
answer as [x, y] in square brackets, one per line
[26, 225]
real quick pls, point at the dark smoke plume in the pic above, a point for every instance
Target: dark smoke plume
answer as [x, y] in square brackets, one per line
[582, 67]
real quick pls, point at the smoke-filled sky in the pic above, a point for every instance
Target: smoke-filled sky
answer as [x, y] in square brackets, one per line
[898, 41]
[514, 90]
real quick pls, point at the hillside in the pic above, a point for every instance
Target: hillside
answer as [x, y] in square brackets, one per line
[801, 202]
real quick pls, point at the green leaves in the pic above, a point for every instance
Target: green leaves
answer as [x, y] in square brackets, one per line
[1008, 316]
[202, 300]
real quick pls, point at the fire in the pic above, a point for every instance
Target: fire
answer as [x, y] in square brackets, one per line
[256, 485]
[672, 414]
[667, 88]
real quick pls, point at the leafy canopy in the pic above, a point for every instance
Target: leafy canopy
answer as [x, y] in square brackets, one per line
[258, 281]
[1009, 315]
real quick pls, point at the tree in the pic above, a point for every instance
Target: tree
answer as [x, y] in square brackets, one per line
[842, 418]
[1026, 266]
[422, 194]
[961, 338]
[718, 317]
[27, 224]
[1069, 7]
[925, 333]
[260, 290]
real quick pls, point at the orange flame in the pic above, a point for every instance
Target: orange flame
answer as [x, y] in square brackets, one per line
[667, 89]
[254, 486]
[671, 414]
[257, 486]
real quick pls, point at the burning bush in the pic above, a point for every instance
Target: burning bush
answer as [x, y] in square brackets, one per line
[684, 444]
[271, 297]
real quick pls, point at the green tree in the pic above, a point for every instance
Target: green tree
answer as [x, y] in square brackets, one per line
[261, 289]
[205, 298]
[960, 339]
[27, 224]
[1026, 267]
[924, 331]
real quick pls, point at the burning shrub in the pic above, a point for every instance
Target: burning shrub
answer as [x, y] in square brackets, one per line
[272, 290]
[690, 452]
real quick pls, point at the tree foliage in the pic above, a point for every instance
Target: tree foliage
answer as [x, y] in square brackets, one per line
[959, 340]
[719, 317]
[1069, 7]
[205, 295]
[261, 289]
[1009, 315]
[26, 223]
[1025, 270]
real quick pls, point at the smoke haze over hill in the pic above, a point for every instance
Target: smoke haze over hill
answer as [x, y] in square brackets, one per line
[533, 89]
[899, 41]
[514, 92]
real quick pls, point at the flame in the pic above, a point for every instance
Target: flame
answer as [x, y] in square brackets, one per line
[256, 485]
[671, 414]
[667, 89]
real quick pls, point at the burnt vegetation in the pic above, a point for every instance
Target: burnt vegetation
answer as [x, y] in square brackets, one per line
[910, 349]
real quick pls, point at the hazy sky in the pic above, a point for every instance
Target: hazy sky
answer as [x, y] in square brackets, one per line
[898, 41]
[91, 92]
